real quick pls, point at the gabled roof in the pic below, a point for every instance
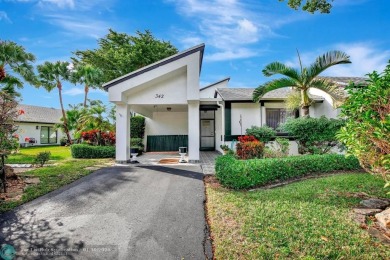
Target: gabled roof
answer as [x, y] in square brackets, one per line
[36, 114]
[245, 94]
[344, 81]
[215, 83]
[198, 48]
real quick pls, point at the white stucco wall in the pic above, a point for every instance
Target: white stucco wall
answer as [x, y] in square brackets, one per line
[167, 123]
[250, 113]
[29, 130]
[218, 129]
[323, 109]
[169, 89]
[210, 91]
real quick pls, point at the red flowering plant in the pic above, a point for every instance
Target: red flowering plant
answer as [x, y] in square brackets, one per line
[96, 137]
[249, 147]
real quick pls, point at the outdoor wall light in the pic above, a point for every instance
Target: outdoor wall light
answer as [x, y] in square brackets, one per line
[37, 127]
[169, 108]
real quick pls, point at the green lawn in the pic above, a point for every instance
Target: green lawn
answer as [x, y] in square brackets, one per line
[304, 220]
[52, 178]
[27, 154]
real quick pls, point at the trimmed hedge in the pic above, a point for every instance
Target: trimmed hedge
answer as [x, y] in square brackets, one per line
[244, 174]
[89, 151]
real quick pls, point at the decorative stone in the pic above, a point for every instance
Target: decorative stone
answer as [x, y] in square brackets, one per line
[9, 172]
[32, 180]
[375, 203]
[366, 212]
[384, 219]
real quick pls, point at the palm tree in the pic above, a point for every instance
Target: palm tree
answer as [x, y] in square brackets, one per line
[15, 59]
[50, 76]
[93, 118]
[88, 75]
[304, 79]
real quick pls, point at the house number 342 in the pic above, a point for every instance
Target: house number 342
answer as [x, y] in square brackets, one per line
[159, 96]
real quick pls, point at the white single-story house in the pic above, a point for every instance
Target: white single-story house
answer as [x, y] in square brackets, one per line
[179, 112]
[36, 125]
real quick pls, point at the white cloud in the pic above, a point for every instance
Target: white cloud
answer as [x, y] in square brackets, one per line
[365, 57]
[231, 54]
[4, 17]
[74, 91]
[59, 3]
[226, 25]
[80, 26]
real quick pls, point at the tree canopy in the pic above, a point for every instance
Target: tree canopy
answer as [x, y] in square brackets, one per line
[311, 6]
[15, 64]
[120, 53]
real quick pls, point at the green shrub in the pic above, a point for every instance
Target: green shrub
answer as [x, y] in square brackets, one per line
[263, 134]
[279, 149]
[42, 157]
[367, 131]
[137, 127]
[137, 143]
[89, 151]
[313, 135]
[240, 174]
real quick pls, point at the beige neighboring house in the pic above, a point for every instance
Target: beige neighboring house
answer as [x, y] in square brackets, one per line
[36, 126]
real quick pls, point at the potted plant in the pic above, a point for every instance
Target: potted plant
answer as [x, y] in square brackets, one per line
[225, 148]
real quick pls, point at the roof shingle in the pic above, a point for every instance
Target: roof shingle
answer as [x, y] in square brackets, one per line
[35, 114]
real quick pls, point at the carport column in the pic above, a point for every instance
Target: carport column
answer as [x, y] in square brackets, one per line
[122, 133]
[193, 131]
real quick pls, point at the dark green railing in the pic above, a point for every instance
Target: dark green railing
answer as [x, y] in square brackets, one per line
[164, 143]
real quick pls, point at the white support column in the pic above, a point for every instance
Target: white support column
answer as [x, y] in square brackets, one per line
[263, 116]
[193, 131]
[122, 133]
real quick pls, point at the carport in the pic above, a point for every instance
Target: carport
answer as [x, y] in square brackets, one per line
[167, 94]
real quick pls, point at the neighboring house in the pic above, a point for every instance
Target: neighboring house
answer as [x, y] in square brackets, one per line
[36, 125]
[180, 113]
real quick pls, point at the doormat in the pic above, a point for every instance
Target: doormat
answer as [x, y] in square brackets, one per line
[169, 161]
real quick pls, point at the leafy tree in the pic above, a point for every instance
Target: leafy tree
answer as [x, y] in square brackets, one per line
[15, 62]
[311, 6]
[120, 53]
[51, 76]
[8, 142]
[304, 79]
[367, 131]
[89, 76]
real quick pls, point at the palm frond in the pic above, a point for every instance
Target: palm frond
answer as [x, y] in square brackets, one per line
[279, 68]
[335, 92]
[272, 85]
[326, 61]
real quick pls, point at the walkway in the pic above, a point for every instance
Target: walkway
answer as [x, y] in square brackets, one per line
[142, 212]
[207, 160]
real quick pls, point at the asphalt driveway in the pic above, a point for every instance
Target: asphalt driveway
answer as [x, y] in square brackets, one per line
[149, 212]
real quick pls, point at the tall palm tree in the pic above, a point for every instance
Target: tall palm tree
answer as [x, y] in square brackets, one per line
[51, 76]
[15, 61]
[88, 75]
[304, 79]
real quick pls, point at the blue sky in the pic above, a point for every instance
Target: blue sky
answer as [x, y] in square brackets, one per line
[241, 37]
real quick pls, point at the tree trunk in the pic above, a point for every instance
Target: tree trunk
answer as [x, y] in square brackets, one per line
[2, 73]
[59, 86]
[86, 89]
[305, 102]
[305, 111]
[3, 177]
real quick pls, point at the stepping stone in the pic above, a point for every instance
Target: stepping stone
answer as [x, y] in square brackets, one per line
[375, 203]
[366, 212]
[384, 219]
[93, 168]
